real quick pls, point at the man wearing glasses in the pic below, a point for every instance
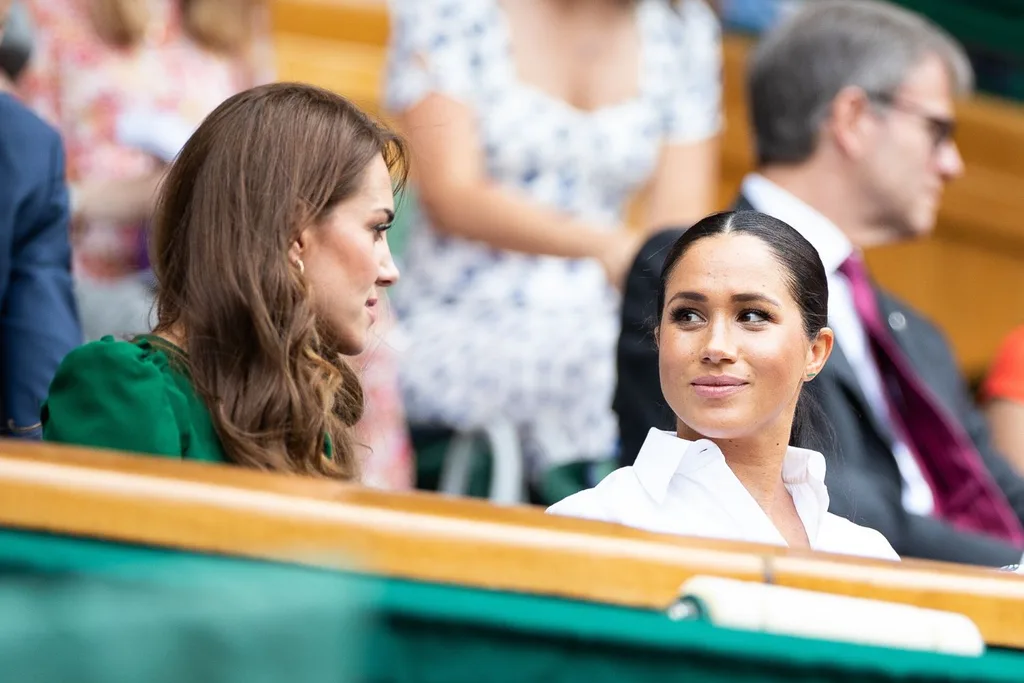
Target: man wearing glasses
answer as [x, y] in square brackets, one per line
[852, 110]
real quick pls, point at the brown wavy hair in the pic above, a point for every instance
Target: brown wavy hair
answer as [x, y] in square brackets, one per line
[265, 165]
[219, 25]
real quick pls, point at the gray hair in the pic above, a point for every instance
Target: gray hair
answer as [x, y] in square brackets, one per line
[799, 67]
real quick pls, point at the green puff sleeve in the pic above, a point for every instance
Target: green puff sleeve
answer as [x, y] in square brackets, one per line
[117, 395]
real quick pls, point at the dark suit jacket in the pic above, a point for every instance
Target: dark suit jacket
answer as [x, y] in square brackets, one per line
[38, 320]
[862, 477]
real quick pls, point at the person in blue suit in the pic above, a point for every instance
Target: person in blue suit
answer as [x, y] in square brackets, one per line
[38, 319]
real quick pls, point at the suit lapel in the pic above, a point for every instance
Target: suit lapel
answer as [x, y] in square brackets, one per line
[894, 319]
[839, 366]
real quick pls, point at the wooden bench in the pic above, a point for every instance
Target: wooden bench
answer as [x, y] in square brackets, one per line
[969, 277]
[426, 538]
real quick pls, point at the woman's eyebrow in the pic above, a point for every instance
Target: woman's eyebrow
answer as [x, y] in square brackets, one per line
[689, 296]
[743, 298]
[753, 298]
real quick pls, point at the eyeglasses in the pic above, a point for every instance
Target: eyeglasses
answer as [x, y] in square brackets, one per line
[941, 129]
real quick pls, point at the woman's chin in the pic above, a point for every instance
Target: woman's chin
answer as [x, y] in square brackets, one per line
[351, 347]
[717, 430]
[346, 341]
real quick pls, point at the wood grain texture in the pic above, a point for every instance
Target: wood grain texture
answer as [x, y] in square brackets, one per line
[223, 509]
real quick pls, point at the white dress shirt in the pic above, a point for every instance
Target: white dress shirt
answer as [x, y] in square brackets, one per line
[685, 487]
[833, 248]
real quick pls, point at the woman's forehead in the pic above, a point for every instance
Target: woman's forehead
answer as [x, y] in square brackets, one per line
[730, 261]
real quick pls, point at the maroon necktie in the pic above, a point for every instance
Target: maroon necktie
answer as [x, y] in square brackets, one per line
[964, 491]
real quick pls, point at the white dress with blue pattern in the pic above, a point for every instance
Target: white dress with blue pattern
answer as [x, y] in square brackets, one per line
[532, 339]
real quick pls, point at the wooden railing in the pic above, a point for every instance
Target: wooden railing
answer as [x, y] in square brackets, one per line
[339, 44]
[969, 277]
[227, 510]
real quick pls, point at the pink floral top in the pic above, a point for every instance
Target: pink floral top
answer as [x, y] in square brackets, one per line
[390, 463]
[81, 84]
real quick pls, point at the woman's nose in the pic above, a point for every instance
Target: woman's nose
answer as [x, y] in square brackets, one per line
[387, 273]
[719, 345]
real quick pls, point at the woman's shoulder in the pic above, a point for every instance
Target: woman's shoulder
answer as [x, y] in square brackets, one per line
[685, 40]
[1014, 342]
[117, 394]
[1007, 371]
[602, 501]
[447, 17]
[850, 538]
[683, 15]
[110, 360]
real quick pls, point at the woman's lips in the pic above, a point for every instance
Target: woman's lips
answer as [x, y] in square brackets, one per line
[371, 306]
[718, 386]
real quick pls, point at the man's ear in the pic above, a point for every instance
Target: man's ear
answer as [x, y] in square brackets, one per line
[818, 353]
[850, 121]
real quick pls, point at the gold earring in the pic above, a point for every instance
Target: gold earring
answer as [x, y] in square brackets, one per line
[301, 265]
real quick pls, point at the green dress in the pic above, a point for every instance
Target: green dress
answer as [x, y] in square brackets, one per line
[130, 396]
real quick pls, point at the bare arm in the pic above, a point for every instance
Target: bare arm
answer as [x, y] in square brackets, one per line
[1006, 420]
[461, 200]
[684, 188]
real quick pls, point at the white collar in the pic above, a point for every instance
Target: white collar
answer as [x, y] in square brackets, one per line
[664, 455]
[832, 245]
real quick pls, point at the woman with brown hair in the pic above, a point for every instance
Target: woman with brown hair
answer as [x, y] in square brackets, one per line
[126, 81]
[269, 252]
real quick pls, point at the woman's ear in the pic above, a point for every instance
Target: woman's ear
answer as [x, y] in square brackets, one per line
[818, 353]
[298, 247]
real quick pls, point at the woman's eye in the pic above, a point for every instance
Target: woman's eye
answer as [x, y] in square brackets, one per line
[755, 316]
[685, 315]
[382, 228]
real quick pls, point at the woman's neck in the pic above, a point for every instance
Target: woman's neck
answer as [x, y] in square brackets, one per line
[756, 461]
[175, 335]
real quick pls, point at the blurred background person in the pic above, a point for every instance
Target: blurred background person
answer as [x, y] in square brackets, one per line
[1003, 393]
[531, 124]
[126, 81]
[383, 427]
[38, 321]
[15, 45]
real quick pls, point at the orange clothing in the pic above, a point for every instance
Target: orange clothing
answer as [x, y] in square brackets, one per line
[1006, 376]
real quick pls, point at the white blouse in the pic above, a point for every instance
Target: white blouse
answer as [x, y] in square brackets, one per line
[685, 487]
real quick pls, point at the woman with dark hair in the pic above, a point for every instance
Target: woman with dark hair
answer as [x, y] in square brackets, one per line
[742, 314]
[269, 252]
